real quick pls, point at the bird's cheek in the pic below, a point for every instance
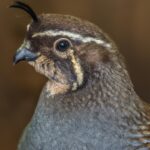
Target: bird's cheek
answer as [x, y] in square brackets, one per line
[49, 69]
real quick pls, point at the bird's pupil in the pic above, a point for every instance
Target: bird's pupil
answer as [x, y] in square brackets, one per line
[63, 45]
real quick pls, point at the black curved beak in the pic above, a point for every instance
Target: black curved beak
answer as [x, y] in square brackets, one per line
[24, 54]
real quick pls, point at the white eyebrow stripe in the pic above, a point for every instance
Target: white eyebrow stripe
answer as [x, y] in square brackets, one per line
[28, 27]
[72, 36]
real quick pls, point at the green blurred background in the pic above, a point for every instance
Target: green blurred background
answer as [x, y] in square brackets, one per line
[126, 21]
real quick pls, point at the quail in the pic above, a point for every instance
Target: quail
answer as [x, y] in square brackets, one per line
[89, 101]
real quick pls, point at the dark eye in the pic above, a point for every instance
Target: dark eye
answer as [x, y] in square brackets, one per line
[62, 45]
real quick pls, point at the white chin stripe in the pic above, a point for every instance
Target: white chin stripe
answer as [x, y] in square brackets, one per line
[73, 36]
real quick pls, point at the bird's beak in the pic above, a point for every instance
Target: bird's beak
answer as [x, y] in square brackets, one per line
[24, 54]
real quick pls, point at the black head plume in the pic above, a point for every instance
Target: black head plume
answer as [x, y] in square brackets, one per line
[26, 8]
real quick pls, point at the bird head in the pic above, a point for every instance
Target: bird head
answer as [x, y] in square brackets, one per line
[63, 48]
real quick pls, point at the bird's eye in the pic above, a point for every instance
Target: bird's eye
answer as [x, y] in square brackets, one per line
[62, 45]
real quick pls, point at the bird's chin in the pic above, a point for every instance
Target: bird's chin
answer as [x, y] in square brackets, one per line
[38, 68]
[32, 63]
[47, 72]
[53, 86]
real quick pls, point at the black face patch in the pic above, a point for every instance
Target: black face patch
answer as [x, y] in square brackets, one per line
[67, 69]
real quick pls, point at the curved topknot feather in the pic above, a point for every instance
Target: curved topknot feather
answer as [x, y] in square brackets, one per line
[26, 8]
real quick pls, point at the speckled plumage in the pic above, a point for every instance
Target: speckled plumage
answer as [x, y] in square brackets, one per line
[89, 102]
[106, 114]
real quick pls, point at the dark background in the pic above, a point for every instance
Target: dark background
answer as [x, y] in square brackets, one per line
[126, 21]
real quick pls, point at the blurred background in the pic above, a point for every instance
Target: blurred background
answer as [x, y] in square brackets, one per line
[126, 21]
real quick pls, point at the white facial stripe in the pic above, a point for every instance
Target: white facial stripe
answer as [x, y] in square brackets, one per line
[28, 27]
[74, 36]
